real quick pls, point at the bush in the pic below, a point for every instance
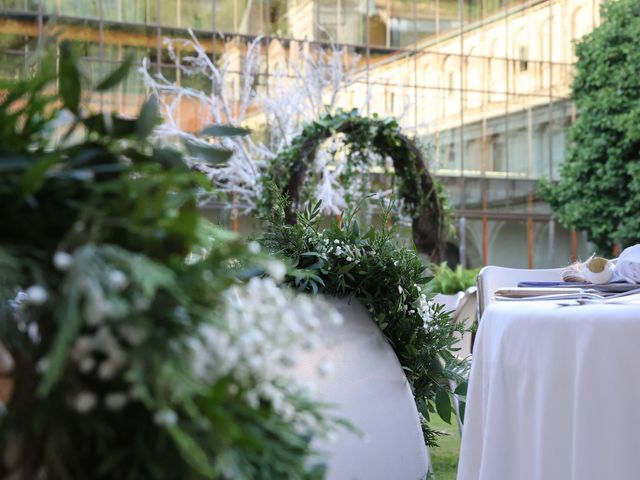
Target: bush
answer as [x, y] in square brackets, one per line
[449, 282]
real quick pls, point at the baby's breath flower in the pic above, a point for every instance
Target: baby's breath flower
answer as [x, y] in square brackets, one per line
[62, 261]
[85, 401]
[115, 401]
[276, 269]
[118, 280]
[165, 417]
[36, 295]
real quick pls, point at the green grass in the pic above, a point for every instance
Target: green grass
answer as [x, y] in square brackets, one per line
[445, 457]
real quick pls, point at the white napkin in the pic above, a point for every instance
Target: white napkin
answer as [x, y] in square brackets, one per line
[628, 266]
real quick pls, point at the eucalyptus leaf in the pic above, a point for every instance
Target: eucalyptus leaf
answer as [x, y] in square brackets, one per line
[116, 76]
[461, 389]
[110, 124]
[33, 177]
[69, 82]
[224, 131]
[169, 158]
[209, 153]
[443, 405]
[149, 118]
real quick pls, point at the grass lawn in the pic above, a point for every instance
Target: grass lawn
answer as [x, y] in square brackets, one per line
[445, 456]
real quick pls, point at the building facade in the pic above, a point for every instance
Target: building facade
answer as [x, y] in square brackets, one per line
[485, 83]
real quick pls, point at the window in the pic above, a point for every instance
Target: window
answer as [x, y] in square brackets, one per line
[523, 59]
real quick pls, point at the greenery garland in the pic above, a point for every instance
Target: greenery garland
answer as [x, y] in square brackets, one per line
[389, 280]
[420, 192]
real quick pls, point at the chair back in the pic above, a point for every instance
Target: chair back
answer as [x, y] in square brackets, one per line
[491, 278]
[463, 307]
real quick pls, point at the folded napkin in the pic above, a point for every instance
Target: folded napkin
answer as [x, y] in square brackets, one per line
[627, 267]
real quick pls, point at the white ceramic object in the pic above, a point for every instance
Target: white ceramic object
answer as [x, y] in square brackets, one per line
[369, 389]
[597, 270]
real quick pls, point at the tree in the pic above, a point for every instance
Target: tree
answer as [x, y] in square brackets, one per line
[599, 190]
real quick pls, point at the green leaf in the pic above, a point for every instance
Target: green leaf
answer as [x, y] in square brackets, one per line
[461, 389]
[110, 124]
[116, 76]
[88, 155]
[33, 178]
[149, 118]
[443, 405]
[10, 162]
[209, 153]
[192, 452]
[69, 325]
[169, 158]
[224, 131]
[69, 84]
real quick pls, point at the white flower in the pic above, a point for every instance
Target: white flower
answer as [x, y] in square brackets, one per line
[349, 259]
[165, 417]
[276, 269]
[82, 346]
[134, 335]
[254, 247]
[36, 295]
[118, 280]
[19, 300]
[400, 290]
[141, 302]
[115, 401]
[33, 332]
[42, 365]
[86, 364]
[85, 401]
[62, 261]
[108, 369]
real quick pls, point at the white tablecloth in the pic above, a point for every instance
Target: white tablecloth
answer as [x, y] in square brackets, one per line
[554, 394]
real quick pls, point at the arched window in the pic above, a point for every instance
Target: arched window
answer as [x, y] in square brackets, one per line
[521, 51]
[580, 23]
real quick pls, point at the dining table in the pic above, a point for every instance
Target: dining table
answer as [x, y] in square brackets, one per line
[554, 393]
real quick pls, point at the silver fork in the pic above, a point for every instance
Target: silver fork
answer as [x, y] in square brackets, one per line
[616, 298]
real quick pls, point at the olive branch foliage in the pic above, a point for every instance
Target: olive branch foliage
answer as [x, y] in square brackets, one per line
[390, 281]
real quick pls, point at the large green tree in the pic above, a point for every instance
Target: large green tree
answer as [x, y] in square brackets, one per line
[599, 190]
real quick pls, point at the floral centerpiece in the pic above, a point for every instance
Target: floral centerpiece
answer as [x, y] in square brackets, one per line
[390, 281]
[139, 341]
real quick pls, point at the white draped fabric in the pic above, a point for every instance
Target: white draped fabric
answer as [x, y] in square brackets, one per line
[554, 394]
